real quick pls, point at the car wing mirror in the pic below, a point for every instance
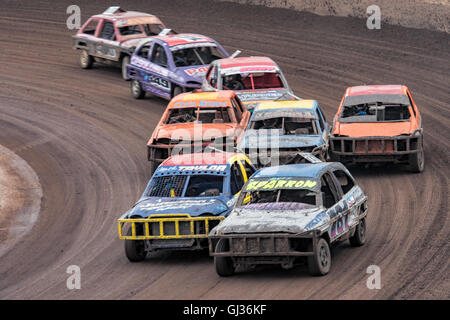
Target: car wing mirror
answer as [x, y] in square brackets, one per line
[235, 54]
[165, 32]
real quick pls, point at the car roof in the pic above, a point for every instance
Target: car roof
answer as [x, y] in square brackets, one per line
[123, 15]
[268, 106]
[215, 158]
[213, 96]
[376, 89]
[309, 170]
[183, 38]
[245, 62]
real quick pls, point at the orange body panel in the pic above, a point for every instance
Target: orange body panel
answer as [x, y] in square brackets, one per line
[381, 129]
[207, 130]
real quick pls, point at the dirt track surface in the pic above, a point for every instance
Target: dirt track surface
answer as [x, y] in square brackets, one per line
[85, 137]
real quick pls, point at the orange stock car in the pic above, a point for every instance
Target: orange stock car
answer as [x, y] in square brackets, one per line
[193, 121]
[378, 123]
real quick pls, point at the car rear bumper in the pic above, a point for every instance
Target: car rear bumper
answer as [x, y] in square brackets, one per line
[160, 152]
[378, 148]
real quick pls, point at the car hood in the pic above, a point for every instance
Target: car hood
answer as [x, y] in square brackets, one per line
[272, 221]
[380, 129]
[253, 139]
[192, 73]
[164, 206]
[207, 130]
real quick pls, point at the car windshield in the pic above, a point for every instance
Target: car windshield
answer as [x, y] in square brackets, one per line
[195, 185]
[204, 115]
[252, 81]
[194, 56]
[288, 125]
[280, 199]
[375, 112]
[141, 29]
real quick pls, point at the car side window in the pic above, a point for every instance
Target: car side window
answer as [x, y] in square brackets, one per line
[321, 121]
[91, 27]
[108, 31]
[346, 182]
[213, 78]
[239, 104]
[144, 51]
[329, 192]
[411, 104]
[249, 170]
[237, 179]
[159, 55]
[208, 74]
[236, 110]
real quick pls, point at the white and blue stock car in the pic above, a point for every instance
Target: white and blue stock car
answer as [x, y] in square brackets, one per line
[290, 213]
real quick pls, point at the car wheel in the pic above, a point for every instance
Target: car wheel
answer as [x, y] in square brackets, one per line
[136, 89]
[86, 60]
[320, 263]
[125, 61]
[417, 161]
[135, 249]
[177, 91]
[224, 265]
[359, 238]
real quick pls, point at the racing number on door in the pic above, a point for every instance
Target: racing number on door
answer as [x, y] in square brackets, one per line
[340, 225]
[157, 81]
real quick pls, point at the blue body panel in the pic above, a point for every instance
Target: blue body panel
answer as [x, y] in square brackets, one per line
[194, 206]
[253, 139]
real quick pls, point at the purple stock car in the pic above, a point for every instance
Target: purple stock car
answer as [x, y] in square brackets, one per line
[165, 66]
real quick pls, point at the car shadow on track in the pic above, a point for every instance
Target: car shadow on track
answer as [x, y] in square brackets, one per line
[377, 169]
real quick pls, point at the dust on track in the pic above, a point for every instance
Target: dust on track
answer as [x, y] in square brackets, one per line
[85, 137]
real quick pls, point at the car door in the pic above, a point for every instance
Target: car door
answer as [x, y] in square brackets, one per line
[350, 205]
[107, 44]
[157, 71]
[86, 38]
[334, 204]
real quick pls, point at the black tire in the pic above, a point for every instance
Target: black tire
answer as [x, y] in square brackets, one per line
[320, 263]
[224, 265]
[359, 238]
[417, 161]
[136, 89]
[135, 249]
[125, 61]
[176, 91]
[86, 60]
